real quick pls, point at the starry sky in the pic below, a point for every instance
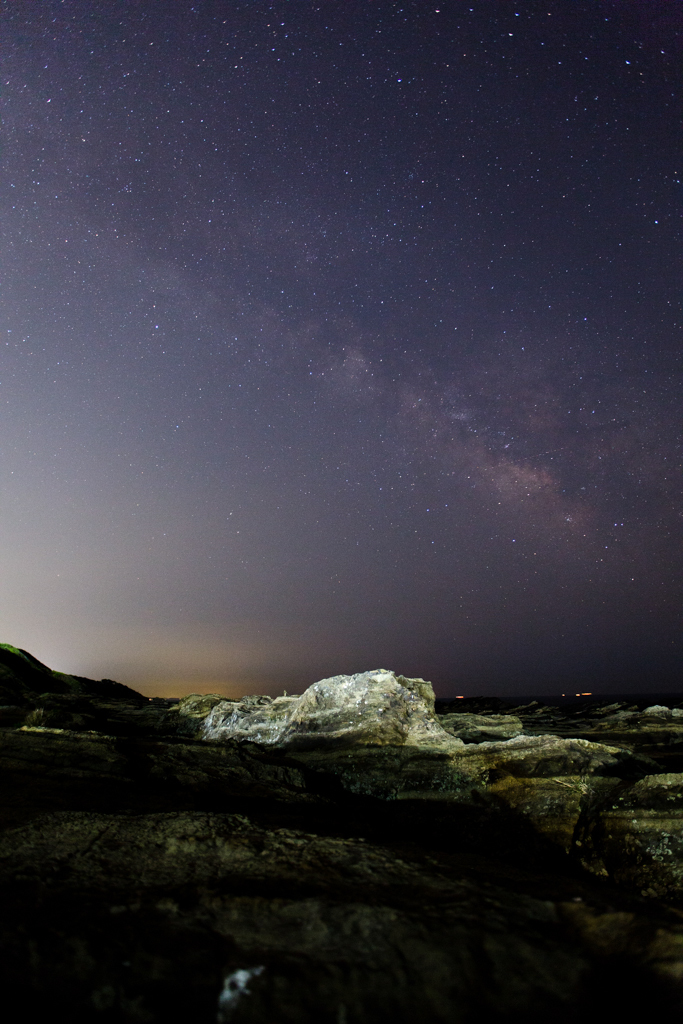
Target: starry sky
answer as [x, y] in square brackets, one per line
[343, 334]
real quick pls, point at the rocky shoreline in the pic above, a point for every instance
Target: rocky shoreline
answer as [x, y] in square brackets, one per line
[356, 853]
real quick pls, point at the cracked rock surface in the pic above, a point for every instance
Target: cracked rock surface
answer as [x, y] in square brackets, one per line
[356, 853]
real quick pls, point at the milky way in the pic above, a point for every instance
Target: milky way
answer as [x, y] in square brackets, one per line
[340, 336]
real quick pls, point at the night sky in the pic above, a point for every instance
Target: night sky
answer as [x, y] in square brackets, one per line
[342, 335]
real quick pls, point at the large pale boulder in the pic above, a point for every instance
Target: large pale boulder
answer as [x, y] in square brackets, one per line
[374, 734]
[375, 708]
[377, 735]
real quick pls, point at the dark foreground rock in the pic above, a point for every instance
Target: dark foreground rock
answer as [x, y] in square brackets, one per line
[348, 855]
[152, 917]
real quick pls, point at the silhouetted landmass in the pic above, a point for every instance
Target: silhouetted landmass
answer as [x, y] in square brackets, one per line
[23, 677]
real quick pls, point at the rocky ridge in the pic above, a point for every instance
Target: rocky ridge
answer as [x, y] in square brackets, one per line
[355, 853]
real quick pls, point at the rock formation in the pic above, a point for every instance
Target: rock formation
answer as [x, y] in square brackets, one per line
[356, 853]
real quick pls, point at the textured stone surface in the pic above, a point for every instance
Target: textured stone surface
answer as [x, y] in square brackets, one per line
[550, 780]
[371, 708]
[636, 839]
[325, 928]
[346, 855]
[481, 728]
[378, 735]
[546, 780]
[656, 727]
[44, 763]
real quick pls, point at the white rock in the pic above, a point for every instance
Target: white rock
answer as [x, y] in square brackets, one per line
[375, 708]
